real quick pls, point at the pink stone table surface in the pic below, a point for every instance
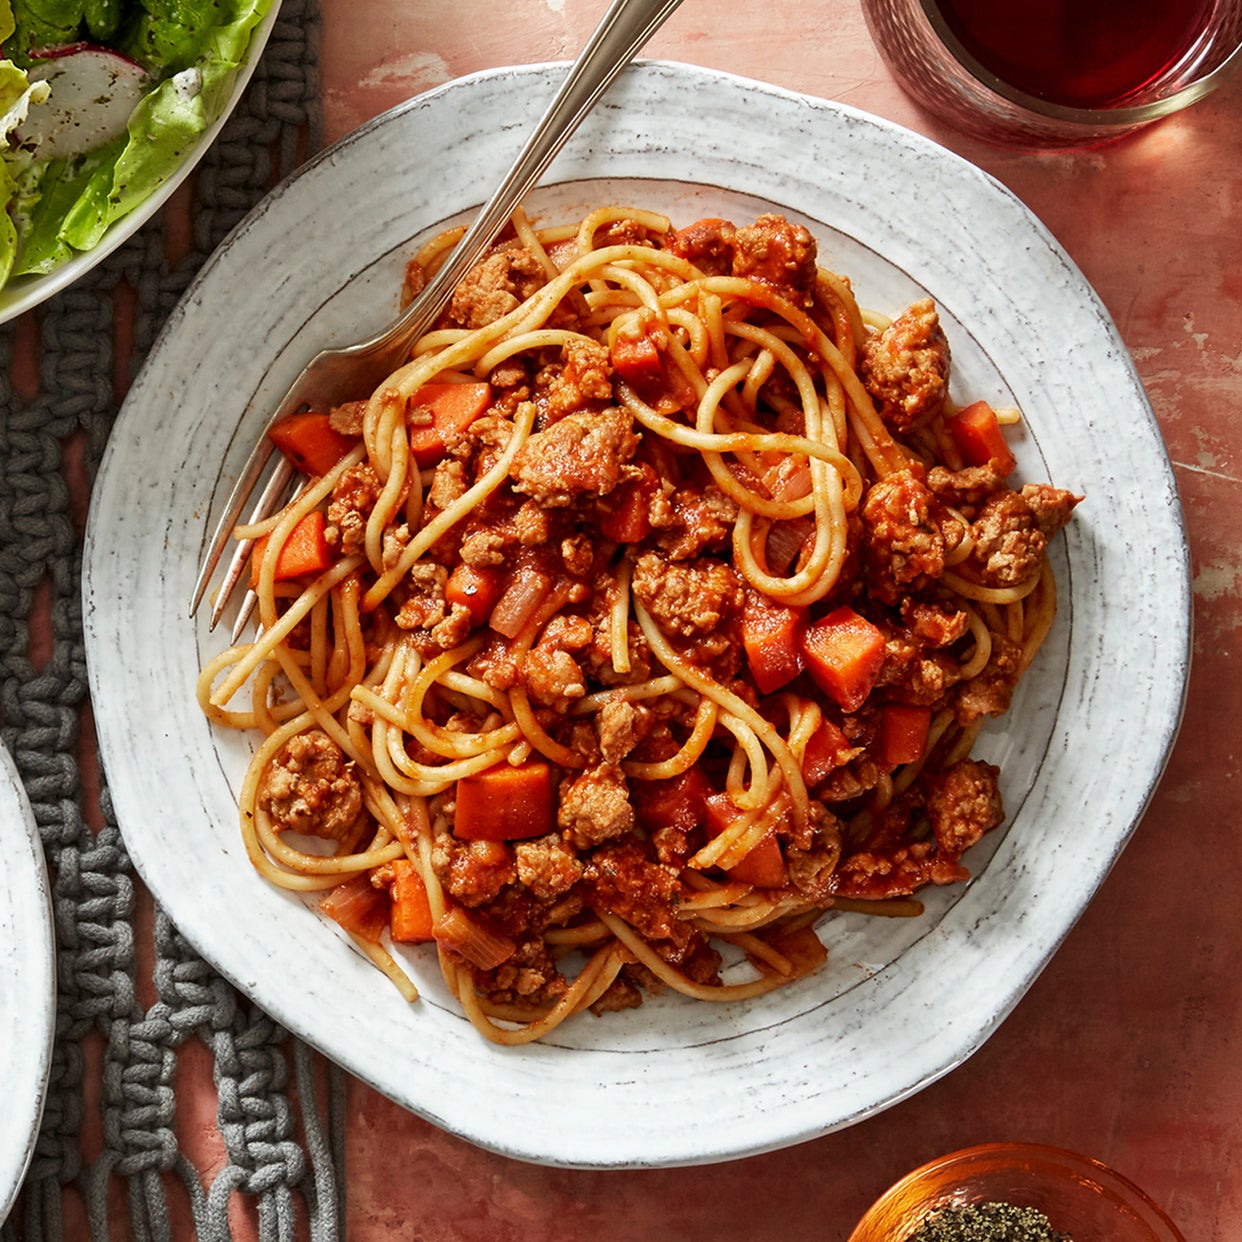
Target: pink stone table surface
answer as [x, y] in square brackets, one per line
[1128, 1046]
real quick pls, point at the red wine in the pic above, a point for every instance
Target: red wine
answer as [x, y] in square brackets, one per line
[1078, 53]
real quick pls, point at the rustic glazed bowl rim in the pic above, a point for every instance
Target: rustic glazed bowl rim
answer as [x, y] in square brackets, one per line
[27, 981]
[673, 1082]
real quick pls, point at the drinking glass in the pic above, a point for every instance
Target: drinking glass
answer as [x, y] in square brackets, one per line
[1056, 73]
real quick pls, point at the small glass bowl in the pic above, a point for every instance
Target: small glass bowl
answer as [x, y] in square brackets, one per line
[1080, 1197]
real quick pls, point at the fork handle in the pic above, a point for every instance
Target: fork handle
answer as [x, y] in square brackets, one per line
[621, 33]
[623, 30]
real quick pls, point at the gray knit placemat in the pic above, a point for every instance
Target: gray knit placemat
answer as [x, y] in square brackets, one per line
[279, 1128]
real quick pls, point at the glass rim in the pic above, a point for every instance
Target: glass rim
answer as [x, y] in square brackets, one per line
[1125, 117]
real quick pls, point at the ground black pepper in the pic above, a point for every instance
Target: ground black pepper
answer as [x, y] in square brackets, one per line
[987, 1222]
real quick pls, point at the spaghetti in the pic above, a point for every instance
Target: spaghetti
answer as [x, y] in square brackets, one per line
[652, 607]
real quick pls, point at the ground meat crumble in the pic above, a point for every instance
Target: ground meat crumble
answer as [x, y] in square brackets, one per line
[594, 506]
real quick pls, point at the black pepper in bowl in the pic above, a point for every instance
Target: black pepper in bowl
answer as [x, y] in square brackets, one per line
[987, 1222]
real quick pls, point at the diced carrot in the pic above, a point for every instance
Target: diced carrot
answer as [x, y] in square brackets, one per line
[844, 653]
[903, 732]
[410, 920]
[476, 588]
[771, 635]
[720, 811]
[306, 550]
[826, 750]
[636, 356]
[703, 241]
[505, 803]
[764, 864]
[678, 802]
[359, 907]
[310, 442]
[452, 407]
[626, 519]
[625, 511]
[978, 436]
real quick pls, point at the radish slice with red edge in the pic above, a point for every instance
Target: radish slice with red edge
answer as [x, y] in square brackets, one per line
[92, 91]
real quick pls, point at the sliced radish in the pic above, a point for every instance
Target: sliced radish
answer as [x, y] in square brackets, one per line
[91, 93]
[60, 50]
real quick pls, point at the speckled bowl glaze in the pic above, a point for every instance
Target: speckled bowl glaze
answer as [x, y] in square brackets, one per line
[27, 982]
[900, 1002]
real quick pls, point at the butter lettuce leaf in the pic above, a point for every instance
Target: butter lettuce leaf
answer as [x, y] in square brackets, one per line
[41, 24]
[193, 48]
[170, 33]
[37, 25]
[163, 127]
[8, 229]
[45, 194]
[16, 96]
[17, 93]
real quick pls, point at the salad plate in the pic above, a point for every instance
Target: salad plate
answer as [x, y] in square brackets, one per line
[27, 982]
[125, 120]
[900, 1002]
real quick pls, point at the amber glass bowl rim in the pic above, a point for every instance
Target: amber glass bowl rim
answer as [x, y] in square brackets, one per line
[959, 1167]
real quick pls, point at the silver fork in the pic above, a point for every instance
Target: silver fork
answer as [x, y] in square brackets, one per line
[339, 374]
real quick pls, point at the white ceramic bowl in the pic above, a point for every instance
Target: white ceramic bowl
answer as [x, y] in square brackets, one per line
[900, 1002]
[27, 982]
[23, 293]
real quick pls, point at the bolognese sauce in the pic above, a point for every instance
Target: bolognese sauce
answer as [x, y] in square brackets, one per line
[650, 611]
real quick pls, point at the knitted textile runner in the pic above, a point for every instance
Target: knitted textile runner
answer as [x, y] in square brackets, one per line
[123, 1173]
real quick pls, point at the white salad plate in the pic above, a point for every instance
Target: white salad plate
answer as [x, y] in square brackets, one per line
[900, 1001]
[27, 982]
[23, 293]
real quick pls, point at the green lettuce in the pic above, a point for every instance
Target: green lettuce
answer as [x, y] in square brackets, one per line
[192, 49]
[8, 230]
[172, 35]
[42, 23]
[17, 93]
[46, 195]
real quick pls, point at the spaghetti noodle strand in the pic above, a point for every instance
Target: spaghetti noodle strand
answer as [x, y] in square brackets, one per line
[642, 622]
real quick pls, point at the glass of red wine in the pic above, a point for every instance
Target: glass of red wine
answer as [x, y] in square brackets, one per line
[1056, 73]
